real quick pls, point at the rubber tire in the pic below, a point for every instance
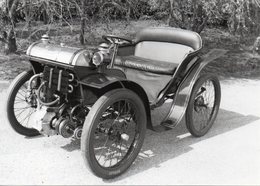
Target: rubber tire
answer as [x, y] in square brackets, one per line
[90, 125]
[189, 111]
[17, 83]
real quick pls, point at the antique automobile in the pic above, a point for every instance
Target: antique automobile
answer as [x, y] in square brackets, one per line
[105, 96]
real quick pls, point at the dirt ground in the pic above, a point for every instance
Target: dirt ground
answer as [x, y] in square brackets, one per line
[238, 62]
[228, 154]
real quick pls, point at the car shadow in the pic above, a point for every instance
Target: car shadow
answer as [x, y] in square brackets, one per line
[160, 147]
[73, 145]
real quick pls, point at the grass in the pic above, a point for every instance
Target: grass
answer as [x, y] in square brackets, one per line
[238, 62]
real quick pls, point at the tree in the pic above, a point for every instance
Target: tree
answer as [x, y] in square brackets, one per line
[190, 14]
[8, 34]
[82, 22]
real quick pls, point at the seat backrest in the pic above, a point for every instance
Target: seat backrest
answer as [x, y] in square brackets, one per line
[166, 44]
[162, 51]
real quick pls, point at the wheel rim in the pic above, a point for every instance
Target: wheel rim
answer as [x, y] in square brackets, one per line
[116, 134]
[24, 106]
[204, 106]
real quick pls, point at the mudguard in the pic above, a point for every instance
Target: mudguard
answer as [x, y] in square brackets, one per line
[100, 80]
[104, 82]
[182, 96]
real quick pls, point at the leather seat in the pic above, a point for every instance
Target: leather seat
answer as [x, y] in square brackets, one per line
[170, 35]
[147, 65]
[160, 50]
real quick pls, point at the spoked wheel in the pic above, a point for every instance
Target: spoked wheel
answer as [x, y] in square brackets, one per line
[19, 106]
[203, 105]
[113, 133]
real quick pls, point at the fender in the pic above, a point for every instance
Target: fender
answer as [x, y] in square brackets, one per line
[114, 78]
[102, 79]
[182, 96]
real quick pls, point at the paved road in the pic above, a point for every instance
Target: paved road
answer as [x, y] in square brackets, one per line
[228, 154]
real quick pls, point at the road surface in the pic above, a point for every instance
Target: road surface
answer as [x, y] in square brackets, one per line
[228, 154]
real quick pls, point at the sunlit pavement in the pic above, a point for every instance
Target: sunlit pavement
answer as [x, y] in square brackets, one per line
[228, 154]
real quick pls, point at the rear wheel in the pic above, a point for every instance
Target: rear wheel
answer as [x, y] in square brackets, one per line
[113, 133]
[18, 108]
[203, 105]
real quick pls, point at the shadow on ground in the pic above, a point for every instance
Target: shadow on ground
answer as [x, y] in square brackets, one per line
[160, 147]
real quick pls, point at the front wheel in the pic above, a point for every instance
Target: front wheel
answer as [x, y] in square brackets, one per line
[113, 133]
[203, 105]
[18, 108]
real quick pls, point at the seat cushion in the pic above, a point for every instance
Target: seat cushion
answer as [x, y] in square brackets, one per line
[147, 65]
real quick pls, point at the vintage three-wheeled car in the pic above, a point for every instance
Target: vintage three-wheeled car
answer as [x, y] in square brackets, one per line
[105, 95]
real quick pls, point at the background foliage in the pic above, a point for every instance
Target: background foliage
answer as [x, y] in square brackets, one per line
[240, 17]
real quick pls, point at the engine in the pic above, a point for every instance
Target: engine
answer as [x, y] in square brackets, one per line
[61, 104]
[59, 109]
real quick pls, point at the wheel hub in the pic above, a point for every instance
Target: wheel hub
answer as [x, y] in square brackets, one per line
[117, 131]
[199, 104]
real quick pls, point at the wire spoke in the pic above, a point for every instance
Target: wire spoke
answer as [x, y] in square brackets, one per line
[20, 94]
[111, 150]
[20, 112]
[204, 105]
[103, 148]
[17, 97]
[17, 109]
[27, 116]
[19, 101]
[31, 112]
